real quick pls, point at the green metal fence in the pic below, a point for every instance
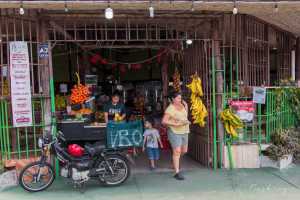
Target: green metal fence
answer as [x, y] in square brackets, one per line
[18, 143]
[276, 114]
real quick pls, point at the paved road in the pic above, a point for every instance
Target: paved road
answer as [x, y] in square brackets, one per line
[254, 184]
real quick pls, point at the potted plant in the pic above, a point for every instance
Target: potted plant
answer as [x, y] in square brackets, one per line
[285, 146]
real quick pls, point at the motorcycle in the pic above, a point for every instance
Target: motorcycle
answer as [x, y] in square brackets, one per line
[109, 166]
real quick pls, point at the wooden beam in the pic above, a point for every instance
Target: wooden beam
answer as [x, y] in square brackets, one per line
[61, 30]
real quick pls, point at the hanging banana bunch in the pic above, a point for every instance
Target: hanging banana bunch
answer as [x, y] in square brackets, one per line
[199, 111]
[231, 122]
[196, 86]
[176, 81]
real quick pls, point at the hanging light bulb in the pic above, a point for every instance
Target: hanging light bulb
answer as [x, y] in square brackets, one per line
[193, 8]
[66, 7]
[151, 11]
[109, 13]
[235, 10]
[276, 9]
[189, 41]
[21, 10]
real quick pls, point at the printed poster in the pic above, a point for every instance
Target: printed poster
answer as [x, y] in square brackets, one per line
[244, 109]
[20, 84]
[259, 95]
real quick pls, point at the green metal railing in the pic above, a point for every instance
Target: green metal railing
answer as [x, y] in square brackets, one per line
[18, 143]
[276, 114]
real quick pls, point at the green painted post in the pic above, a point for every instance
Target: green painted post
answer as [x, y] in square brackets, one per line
[214, 112]
[259, 126]
[1, 134]
[26, 142]
[34, 130]
[3, 131]
[229, 150]
[7, 130]
[268, 117]
[53, 119]
[18, 143]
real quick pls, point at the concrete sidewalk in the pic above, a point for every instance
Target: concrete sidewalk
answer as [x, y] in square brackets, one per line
[254, 184]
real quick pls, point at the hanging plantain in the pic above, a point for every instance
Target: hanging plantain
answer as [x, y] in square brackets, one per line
[199, 111]
[231, 122]
[176, 80]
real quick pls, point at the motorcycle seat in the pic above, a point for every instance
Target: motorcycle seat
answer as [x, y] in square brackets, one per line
[93, 150]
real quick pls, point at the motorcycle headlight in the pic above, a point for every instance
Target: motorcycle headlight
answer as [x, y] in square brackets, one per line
[40, 143]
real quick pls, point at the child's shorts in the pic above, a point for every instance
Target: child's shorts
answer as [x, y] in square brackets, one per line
[153, 153]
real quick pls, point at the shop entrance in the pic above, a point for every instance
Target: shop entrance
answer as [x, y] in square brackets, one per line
[136, 55]
[141, 74]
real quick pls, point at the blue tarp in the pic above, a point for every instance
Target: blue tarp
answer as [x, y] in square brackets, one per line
[122, 134]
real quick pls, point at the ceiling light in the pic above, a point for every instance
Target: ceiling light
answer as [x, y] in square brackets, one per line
[235, 10]
[109, 13]
[66, 8]
[189, 41]
[21, 11]
[193, 8]
[276, 8]
[151, 11]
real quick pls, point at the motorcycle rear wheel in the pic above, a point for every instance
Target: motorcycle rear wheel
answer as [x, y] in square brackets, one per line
[38, 172]
[120, 167]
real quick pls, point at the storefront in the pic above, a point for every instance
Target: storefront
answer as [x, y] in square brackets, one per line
[136, 55]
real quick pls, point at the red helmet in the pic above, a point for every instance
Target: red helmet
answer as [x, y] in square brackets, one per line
[75, 150]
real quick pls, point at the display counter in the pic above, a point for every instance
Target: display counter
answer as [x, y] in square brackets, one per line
[79, 130]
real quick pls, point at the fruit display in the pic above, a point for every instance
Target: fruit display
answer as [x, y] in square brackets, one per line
[100, 116]
[196, 86]
[139, 104]
[82, 111]
[231, 122]
[5, 88]
[118, 117]
[80, 93]
[199, 111]
[176, 81]
[60, 102]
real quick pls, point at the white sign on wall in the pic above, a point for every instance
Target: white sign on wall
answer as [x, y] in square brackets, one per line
[259, 95]
[20, 84]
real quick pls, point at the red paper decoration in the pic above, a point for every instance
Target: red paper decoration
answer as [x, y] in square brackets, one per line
[159, 54]
[103, 61]
[114, 66]
[136, 66]
[95, 58]
[122, 69]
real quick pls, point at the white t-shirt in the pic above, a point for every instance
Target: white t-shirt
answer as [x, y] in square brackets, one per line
[152, 138]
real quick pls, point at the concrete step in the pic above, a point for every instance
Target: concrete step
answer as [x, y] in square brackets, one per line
[264, 146]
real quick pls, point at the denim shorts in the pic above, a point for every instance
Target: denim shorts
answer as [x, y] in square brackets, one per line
[153, 153]
[178, 140]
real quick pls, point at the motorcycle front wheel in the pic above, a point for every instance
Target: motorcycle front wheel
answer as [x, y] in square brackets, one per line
[37, 176]
[117, 170]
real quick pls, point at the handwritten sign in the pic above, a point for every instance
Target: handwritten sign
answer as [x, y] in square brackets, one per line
[124, 134]
[259, 95]
[20, 84]
[8, 179]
